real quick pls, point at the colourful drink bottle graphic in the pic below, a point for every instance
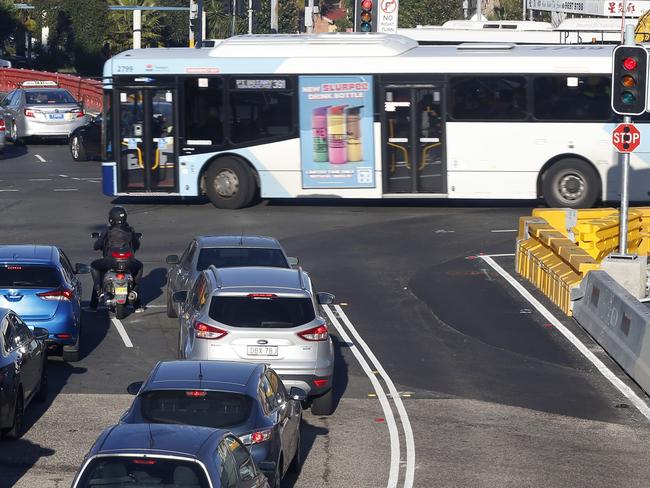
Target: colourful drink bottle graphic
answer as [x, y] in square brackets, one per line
[336, 134]
[319, 134]
[353, 129]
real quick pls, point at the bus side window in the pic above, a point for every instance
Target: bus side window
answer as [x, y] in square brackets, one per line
[572, 98]
[488, 98]
[204, 110]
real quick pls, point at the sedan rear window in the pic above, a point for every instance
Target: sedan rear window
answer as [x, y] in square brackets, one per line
[19, 276]
[255, 311]
[216, 409]
[236, 257]
[120, 471]
[48, 97]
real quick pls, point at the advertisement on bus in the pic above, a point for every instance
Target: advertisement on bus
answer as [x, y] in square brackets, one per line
[336, 136]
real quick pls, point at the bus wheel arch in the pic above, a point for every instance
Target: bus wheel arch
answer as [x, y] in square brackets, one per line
[569, 180]
[230, 181]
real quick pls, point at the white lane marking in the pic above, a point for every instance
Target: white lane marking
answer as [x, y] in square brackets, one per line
[10, 189]
[508, 255]
[66, 189]
[504, 230]
[40, 158]
[122, 331]
[63, 176]
[406, 423]
[39, 179]
[604, 370]
[393, 473]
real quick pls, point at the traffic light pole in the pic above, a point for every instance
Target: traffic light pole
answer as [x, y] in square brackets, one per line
[624, 161]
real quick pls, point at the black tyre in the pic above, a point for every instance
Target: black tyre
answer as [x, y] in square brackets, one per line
[277, 477]
[16, 430]
[13, 135]
[120, 310]
[77, 149]
[296, 462]
[73, 354]
[230, 183]
[171, 308]
[41, 396]
[324, 404]
[571, 183]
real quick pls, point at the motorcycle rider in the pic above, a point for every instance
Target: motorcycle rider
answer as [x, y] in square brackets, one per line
[118, 235]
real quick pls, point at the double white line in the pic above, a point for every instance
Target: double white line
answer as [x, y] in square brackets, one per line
[341, 322]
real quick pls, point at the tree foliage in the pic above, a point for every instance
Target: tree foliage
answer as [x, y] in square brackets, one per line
[426, 12]
[219, 13]
[9, 21]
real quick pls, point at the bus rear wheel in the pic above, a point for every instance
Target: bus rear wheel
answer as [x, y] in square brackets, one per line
[230, 184]
[571, 183]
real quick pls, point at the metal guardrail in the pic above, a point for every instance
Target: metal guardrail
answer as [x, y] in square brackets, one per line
[86, 90]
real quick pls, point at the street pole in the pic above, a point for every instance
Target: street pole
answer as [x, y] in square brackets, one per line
[274, 16]
[624, 161]
[309, 22]
[193, 8]
[137, 29]
[523, 14]
[234, 14]
[199, 23]
[479, 14]
[250, 16]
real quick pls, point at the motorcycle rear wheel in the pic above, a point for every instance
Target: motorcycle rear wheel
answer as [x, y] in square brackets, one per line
[120, 310]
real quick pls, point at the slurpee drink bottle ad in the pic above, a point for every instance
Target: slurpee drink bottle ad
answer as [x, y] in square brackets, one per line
[336, 132]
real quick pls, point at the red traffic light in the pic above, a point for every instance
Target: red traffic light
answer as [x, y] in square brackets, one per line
[366, 5]
[629, 64]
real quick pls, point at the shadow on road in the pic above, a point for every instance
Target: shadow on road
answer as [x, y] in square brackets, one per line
[152, 285]
[308, 435]
[340, 370]
[17, 458]
[10, 152]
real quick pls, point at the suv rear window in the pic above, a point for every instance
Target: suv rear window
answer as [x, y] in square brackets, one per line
[19, 276]
[236, 257]
[248, 311]
[216, 409]
[120, 471]
[48, 97]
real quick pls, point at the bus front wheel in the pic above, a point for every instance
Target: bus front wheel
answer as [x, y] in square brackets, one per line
[230, 184]
[571, 183]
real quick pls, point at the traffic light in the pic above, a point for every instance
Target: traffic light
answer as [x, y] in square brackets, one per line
[629, 80]
[366, 18]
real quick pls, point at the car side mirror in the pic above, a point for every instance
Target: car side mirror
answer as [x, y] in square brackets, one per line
[172, 259]
[80, 268]
[325, 298]
[40, 333]
[179, 296]
[134, 387]
[292, 261]
[298, 394]
[95, 235]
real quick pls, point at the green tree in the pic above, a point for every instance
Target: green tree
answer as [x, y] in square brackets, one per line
[9, 22]
[508, 10]
[120, 31]
[426, 12]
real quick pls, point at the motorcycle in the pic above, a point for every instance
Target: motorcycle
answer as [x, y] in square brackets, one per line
[117, 284]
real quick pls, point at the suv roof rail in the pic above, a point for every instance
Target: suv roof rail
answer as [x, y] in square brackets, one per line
[300, 278]
[217, 276]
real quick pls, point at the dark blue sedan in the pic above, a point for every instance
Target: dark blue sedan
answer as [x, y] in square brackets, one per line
[247, 399]
[40, 284]
[174, 456]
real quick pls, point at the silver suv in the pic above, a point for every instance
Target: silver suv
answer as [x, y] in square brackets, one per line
[262, 315]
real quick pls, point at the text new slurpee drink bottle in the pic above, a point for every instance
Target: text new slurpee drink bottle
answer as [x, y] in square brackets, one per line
[319, 134]
[336, 134]
[353, 125]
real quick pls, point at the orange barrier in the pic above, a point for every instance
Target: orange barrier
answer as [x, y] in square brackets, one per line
[87, 91]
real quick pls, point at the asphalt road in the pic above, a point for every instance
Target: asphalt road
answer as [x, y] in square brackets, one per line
[494, 395]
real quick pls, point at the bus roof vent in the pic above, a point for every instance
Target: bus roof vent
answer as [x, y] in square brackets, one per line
[313, 45]
[485, 46]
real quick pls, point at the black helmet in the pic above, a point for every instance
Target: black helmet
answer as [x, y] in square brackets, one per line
[117, 216]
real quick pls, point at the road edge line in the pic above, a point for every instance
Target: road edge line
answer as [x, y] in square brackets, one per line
[122, 331]
[393, 433]
[604, 370]
[404, 418]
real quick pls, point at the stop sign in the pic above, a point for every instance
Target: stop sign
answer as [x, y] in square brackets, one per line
[626, 138]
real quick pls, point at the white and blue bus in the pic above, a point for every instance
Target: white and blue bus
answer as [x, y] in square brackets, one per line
[364, 116]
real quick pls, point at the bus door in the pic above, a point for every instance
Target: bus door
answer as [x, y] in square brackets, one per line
[146, 137]
[413, 139]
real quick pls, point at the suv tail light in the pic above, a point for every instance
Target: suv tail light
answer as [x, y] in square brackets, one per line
[256, 437]
[59, 294]
[318, 333]
[205, 331]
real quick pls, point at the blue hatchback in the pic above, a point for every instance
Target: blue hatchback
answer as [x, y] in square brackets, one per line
[39, 283]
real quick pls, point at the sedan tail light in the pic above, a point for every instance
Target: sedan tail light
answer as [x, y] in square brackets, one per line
[2, 125]
[78, 112]
[318, 333]
[256, 437]
[58, 294]
[29, 113]
[205, 331]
